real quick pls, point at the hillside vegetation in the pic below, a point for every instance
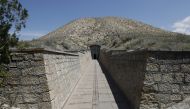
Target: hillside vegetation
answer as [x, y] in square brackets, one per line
[113, 33]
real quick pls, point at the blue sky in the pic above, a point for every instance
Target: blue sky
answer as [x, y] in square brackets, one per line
[47, 15]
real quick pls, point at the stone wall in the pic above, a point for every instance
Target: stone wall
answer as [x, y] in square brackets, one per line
[26, 85]
[149, 79]
[63, 72]
[41, 79]
[167, 79]
[127, 70]
[185, 104]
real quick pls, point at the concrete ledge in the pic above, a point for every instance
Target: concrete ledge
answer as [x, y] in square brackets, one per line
[42, 50]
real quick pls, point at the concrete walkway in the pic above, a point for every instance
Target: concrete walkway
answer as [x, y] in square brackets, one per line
[93, 91]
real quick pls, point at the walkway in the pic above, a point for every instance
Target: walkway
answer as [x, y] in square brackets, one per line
[94, 91]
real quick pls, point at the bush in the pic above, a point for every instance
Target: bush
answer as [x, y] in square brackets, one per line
[3, 74]
[23, 45]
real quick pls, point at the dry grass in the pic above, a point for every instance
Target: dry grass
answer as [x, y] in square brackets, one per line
[113, 32]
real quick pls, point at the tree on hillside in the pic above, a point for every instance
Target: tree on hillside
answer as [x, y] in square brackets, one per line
[12, 17]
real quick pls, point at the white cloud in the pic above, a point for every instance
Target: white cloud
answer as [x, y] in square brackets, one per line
[182, 26]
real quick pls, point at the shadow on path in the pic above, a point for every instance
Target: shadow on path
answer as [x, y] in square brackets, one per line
[119, 96]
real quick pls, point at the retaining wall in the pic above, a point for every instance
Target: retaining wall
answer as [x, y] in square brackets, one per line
[41, 79]
[149, 79]
[127, 70]
[167, 79]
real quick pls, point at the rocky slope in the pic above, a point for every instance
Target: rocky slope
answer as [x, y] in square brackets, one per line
[114, 33]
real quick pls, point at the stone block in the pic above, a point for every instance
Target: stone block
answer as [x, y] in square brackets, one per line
[12, 65]
[14, 72]
[176, 97]
[157, 77]
[35, 88]
[176, 68]
[186, 96]
[30, 80]
[150, 88]
[164, 98]
[45, 105]
[166, 68]
[181, 105]
[35, 71]
[1, 80]
[28, 57]
[152, 67]
[165, 105]
[37, 63]
[166, 88]
[15, 98]
[16, 57]
[38, 57]
[31, 97]
[11, 89]
[168, 77]
[187, 77]
[13, 81]
[148, 97]
[149, 106]
[185, 68]
[175, 88]
[21, 106]
[169, 68]
[149, 78]
[186, 88]
[43, 79]
[46, 97]
[33, 106]
[178, 77]
[23, 64]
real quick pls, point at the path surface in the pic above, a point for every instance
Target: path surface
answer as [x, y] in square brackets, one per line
[94, 91]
